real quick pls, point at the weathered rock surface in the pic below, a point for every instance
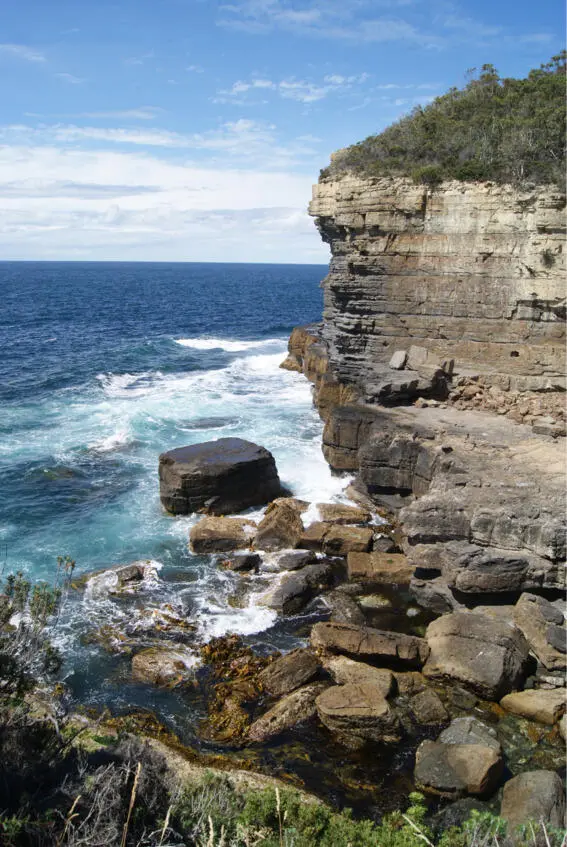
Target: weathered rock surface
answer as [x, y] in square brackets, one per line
[346, 671]
[165, 666]
[291, 710]
[243, 562]
[358, 712]
[296, 589]
[428, 708]
[539, 705]
[483, 653]
[451, 770]
[296, 559]
[339, 513]
[344, 609]
[388, 568]
[219, 477]
[365, 642]
[534, 796]
[544, 629]
[221, 535]
[342, 540]
[469, 730]
[289, 672]
[457, 273]
[281, 527]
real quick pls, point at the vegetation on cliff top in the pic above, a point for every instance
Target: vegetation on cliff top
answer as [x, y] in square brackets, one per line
[498, 129]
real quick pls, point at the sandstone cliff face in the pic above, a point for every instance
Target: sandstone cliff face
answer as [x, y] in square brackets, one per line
[443, 307]
[472, 273]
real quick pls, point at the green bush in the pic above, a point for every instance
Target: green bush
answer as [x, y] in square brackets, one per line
[499, 129]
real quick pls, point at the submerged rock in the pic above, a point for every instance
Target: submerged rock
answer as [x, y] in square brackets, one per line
[221, 535]
[485, 654]
[534, 796]
[164, 666]
[428, 708]
[219, 477]
[291, 710]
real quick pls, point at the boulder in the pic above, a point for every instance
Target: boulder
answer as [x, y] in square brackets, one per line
[428, 708]
[346, 671]
[433, 594]
[452, 770]
[398, 360]
[534, 796]
[358, 712]
[281, 526]
[218, 477]
[337, 513]
[243, 562]
[543, 627]
[296, 559]
[221, 535]
[469, 730]
[289, 672]
[291, 710]
[165, 666]
[365, 642]
[383, 568]
[296, 589]
[312, 538]
[545, 706]
[485, 654]
[342, 540]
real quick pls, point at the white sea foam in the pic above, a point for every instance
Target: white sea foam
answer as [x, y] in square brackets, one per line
[225, 344]
[112, 442]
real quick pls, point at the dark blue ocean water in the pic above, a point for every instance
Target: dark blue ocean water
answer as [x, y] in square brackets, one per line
[104, 366]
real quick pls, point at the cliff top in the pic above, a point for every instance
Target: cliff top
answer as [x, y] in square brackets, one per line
[499, 129]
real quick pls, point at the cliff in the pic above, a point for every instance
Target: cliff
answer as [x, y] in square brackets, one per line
[439, 370]
[471, 273]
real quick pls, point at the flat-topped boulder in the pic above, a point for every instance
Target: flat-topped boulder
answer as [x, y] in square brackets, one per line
[358, 712]
[452, 770]
[486, 655]
[543, 706]
[221, 535]
[218, 477]
[364, 642]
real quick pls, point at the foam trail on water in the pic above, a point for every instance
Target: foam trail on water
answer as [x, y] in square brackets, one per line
[225, 344]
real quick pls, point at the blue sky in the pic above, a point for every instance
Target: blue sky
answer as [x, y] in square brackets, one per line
[194, 129]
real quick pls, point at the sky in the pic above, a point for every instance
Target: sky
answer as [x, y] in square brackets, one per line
[193, 130]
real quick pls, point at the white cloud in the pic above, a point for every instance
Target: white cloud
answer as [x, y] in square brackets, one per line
[70, 78]
[304, 91]
[243, 140]
[196, 69]
[22, 51]
[119, 205]
[144, 113]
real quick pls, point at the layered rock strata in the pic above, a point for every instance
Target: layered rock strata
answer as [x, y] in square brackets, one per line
[443, 335]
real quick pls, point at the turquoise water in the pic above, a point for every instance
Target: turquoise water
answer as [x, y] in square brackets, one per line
[104, 366]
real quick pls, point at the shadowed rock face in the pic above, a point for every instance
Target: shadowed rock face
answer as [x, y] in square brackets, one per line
[217, 477]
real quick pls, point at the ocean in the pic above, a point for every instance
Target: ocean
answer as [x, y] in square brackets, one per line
[103, 367]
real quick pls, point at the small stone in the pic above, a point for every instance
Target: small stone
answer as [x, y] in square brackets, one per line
[398, 360]
[428, 708]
